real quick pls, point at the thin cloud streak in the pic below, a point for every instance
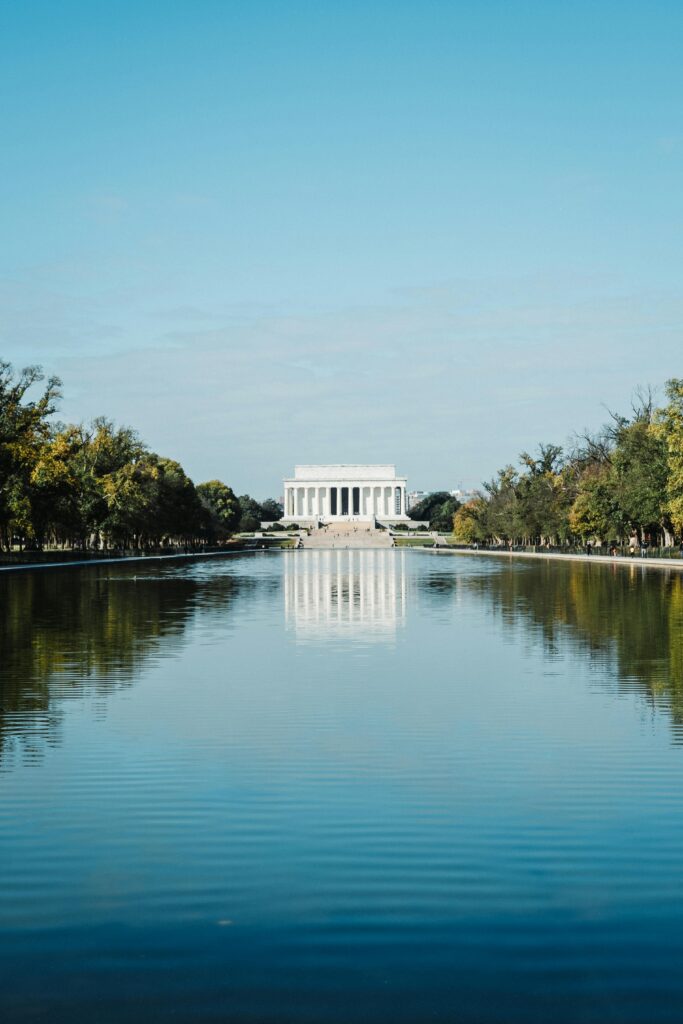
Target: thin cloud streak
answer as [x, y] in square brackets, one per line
[447, 390]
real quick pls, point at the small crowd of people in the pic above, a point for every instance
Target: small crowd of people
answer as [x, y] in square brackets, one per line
[635, 545]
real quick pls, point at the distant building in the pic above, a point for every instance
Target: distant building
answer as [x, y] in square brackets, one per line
[463, 496]
[414, 498]
[345, 493]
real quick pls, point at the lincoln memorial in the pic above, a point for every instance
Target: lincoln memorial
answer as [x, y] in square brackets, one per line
[347, 493]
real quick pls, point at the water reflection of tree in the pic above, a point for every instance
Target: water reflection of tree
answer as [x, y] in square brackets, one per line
[623, 616]
[67, 634]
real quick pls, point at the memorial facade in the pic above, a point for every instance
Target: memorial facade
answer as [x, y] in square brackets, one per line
[345, 493]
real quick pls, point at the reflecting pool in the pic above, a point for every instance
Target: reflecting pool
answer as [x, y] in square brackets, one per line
[377, 786]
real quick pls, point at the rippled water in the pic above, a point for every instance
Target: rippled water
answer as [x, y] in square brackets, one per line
[337, 787]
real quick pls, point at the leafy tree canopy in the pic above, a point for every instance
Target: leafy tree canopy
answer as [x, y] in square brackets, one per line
[438, 509]
[222, 507]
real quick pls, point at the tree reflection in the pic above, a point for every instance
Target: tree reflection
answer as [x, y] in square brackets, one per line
[627, 618]
[70, 633]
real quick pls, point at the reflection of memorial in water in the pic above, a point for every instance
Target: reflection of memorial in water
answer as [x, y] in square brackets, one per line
[345, 593]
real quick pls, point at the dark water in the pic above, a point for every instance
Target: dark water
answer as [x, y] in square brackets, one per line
[341, 787]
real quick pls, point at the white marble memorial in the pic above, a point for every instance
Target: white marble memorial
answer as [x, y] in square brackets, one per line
[345, 493]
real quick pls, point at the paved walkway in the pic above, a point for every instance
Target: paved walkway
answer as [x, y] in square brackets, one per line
[650, 563]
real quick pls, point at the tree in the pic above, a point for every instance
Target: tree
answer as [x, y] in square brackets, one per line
[222, 508]
[469, 521]
[52, 487]
[503, 518]
[178, 510]
[129, 495]
[670, 427]
[438, 508]
[151, 501]
[24, 428]
[100, 461]
[442, 518]
[250, 514]
[92, 485]
[640, 470]
[594, 511]
[271, 510]
[544, 495]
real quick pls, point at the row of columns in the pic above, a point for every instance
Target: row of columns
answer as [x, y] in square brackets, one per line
[382, 500]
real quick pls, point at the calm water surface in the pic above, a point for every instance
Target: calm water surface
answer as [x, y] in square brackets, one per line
[339, 787]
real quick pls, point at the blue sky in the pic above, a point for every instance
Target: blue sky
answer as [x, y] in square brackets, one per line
[275, 232]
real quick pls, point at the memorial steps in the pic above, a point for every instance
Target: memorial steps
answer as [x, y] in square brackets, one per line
[348, 535]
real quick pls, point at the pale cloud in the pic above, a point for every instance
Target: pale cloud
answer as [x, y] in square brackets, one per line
[39, 323]
[670, 144]
[181, 314]
[112, 204]
[450, 382]
[191, 200]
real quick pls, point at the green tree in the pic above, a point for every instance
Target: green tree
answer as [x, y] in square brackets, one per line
[222, 508]
[24, 429]
[52, 486]
[178, 511]
[99, 461]
[640, 469]
[271, 510]
[469, 521]
[438, 508]
[503, 514]
[544, 496]
[442, 519]
[670, 429]
[250, 514]
[594, 512]
[150, 502]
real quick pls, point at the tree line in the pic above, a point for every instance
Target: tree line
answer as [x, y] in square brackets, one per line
[621, 485]
[98, 486]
